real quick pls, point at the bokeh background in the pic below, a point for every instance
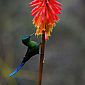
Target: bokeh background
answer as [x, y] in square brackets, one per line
[65, 50]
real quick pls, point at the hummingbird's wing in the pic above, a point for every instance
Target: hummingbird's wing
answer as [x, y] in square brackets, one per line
[17, 69]
[27, 56]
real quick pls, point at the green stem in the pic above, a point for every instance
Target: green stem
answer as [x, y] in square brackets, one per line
[41, 59]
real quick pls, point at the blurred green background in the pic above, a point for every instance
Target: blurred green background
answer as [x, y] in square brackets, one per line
[65, 50]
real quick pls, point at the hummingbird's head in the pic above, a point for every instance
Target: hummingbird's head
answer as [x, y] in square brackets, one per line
[26, 39]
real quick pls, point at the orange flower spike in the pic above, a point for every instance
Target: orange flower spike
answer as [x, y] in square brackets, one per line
[45, 14]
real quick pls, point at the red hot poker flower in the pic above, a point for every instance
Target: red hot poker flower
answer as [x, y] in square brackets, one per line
[45, 14]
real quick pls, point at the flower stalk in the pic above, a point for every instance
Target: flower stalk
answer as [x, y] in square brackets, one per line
[41, 59]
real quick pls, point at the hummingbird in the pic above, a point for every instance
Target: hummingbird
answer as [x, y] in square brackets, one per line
[32, 50]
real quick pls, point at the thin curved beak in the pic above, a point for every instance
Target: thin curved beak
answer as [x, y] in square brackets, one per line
[32, 34]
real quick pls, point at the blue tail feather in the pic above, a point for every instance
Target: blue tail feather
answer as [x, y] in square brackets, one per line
[17, 69]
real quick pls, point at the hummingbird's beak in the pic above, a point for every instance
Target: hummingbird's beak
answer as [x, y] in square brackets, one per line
[32, 34]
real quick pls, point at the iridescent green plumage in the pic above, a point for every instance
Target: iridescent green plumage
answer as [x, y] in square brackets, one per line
[33, 49]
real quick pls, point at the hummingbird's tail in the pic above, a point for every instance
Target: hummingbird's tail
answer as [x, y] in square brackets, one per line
[17, 69]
